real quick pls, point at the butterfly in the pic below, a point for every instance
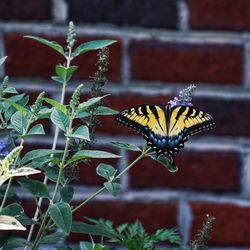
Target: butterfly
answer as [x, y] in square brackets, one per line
[166, 128]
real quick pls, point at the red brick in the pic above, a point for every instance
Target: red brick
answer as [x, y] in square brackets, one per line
[31, 10]
[153, 60]
[121, 212]
[219, 171]
[220, 15]
[231, 227]
[235, 124]
[28, 58]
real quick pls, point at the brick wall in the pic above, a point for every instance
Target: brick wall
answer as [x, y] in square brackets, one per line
[163, 46]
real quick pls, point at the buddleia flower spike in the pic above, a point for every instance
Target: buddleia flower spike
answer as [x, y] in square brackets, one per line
[184, 98]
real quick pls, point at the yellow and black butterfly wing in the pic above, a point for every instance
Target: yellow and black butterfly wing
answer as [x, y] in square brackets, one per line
[189, 120]
[148, 120]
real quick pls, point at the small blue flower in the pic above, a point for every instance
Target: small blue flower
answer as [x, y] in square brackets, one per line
[184, 98]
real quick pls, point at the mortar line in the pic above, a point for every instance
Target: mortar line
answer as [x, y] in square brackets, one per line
[153, 88]
[183, 15]
[59, 11]
[161, 194]
[123, 162]
[245, 175]
[246, 75]
[131, 32]
[184, 221]
[125, 62]
[2, 54]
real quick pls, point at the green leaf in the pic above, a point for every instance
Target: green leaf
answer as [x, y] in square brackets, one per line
[44, 113]
[37, 188]
[15, 242]
[165, 162]
[67, 193]
[126, 146]
[37, 130]
[19, 122]
[23, 171]
[10, 223]
[39, 153]
[172, 235]
[56, 104]
[82, 154]
[92, 45]
[52, 44]
[65, 73]
[113, 187]
[52, 238]
[57, 79]
[102, 110]
[10, 90]
[85, 105]
[106, 171]
[61, 214]
[52, 173]
[2, 60]
[60, 119]
[84, 245]
[13, 209]
[81, 132]
[11, 193]
[100, 247]
[81, 227]
[20, 108]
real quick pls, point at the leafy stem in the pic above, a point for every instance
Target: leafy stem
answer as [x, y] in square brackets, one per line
[61, 168]
[91, 197]
[55, 140]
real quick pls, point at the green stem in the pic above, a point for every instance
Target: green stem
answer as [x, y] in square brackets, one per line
[61, 168]
[55, 139]
[91, 197]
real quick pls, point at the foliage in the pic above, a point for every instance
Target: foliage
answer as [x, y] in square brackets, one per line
[20, 120]
[132, 236]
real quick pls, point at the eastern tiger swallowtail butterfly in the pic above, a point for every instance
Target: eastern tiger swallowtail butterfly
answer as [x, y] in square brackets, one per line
[166, 128]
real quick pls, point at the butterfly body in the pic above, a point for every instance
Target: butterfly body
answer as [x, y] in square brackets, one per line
[165, 128]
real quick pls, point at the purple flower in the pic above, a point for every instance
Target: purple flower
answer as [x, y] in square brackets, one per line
[4, 147]
[184, 98]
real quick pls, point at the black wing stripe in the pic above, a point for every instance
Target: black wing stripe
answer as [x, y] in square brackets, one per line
[154, 111]
[144, 110]
[189, 113]
[180, 112]
[196, 113]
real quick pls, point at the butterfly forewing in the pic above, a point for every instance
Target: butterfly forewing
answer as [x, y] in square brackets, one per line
[189, 120]
[144, 119]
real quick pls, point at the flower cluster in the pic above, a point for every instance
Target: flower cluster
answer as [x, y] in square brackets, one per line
[184, 98]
